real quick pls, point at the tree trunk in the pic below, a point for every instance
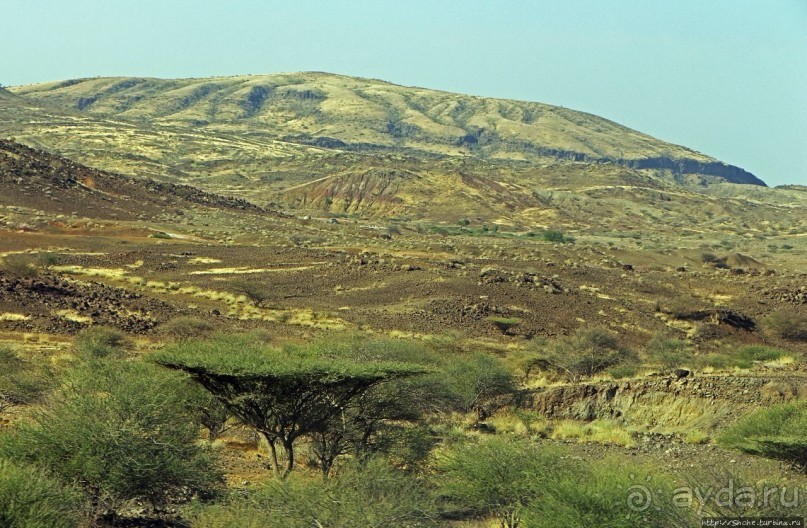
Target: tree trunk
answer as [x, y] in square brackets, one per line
[288, 445]
[272, 454]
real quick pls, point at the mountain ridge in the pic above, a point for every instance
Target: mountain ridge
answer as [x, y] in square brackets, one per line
[365, 115]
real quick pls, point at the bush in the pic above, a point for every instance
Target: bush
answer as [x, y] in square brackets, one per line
[557, 237]
[720, 361]
[504, 324]
[370, 495]
[184, 328]
[523, 484]
[787, 325]
[120, 432]
[669, 353]
[496, 477]
[31, 499]
[254, 291]
[697, 437]
[97, 342]
[597, 431]
[585, 353]
[760, 353]
[606, 493]
[20, 382]
[775, 432]
[740, 494]
[47, 260]
[20, 266]
[480, 384]
[623, 371]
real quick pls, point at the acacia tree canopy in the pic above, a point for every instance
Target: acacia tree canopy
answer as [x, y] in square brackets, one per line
[283, 395]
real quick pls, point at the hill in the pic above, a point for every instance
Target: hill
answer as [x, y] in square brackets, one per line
[37, 180]
[366, 115]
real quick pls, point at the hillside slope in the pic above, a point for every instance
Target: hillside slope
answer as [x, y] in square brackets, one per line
[364, 115]
[35, 180]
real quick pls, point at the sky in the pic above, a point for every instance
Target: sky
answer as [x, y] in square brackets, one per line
[725, 77]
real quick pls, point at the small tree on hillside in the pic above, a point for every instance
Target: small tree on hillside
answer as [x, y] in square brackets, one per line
[252, 290]
[283, 396]
[479, 383]
[788, 325]
[668, 352]
[585, 353]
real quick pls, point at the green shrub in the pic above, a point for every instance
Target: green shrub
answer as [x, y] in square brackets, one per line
[775, 432]
[696, 437]
[720, 361]
[760, 353]
[31, 499]
[557, 237]
[374, 495]
[669, 353]
[184, 328]
[19, 266]
[623, 371]
[504, 324]
[20, 382]
[787, 325]
[479, 383]
[744, 357]
[523, 484]
[739, 494]
[606, 493]
[597, 431]
[496, 477]
[118, 430]
[97, 342]
[47, 260]
[585, 353]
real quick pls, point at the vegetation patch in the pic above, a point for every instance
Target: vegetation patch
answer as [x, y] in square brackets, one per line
[776, 432]
[597, 431]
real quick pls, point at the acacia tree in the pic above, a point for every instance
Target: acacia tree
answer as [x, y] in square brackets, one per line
[363, 426]
[283, 396]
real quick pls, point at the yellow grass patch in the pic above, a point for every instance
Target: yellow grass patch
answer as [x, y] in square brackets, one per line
[203, 260]
[72, 315]
[244, 270]
[106, 273]
[10, 316]
[598, 431]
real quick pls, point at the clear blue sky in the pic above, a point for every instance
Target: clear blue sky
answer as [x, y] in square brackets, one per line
[725, 77]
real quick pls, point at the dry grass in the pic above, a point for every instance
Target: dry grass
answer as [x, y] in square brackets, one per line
[598, 431]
